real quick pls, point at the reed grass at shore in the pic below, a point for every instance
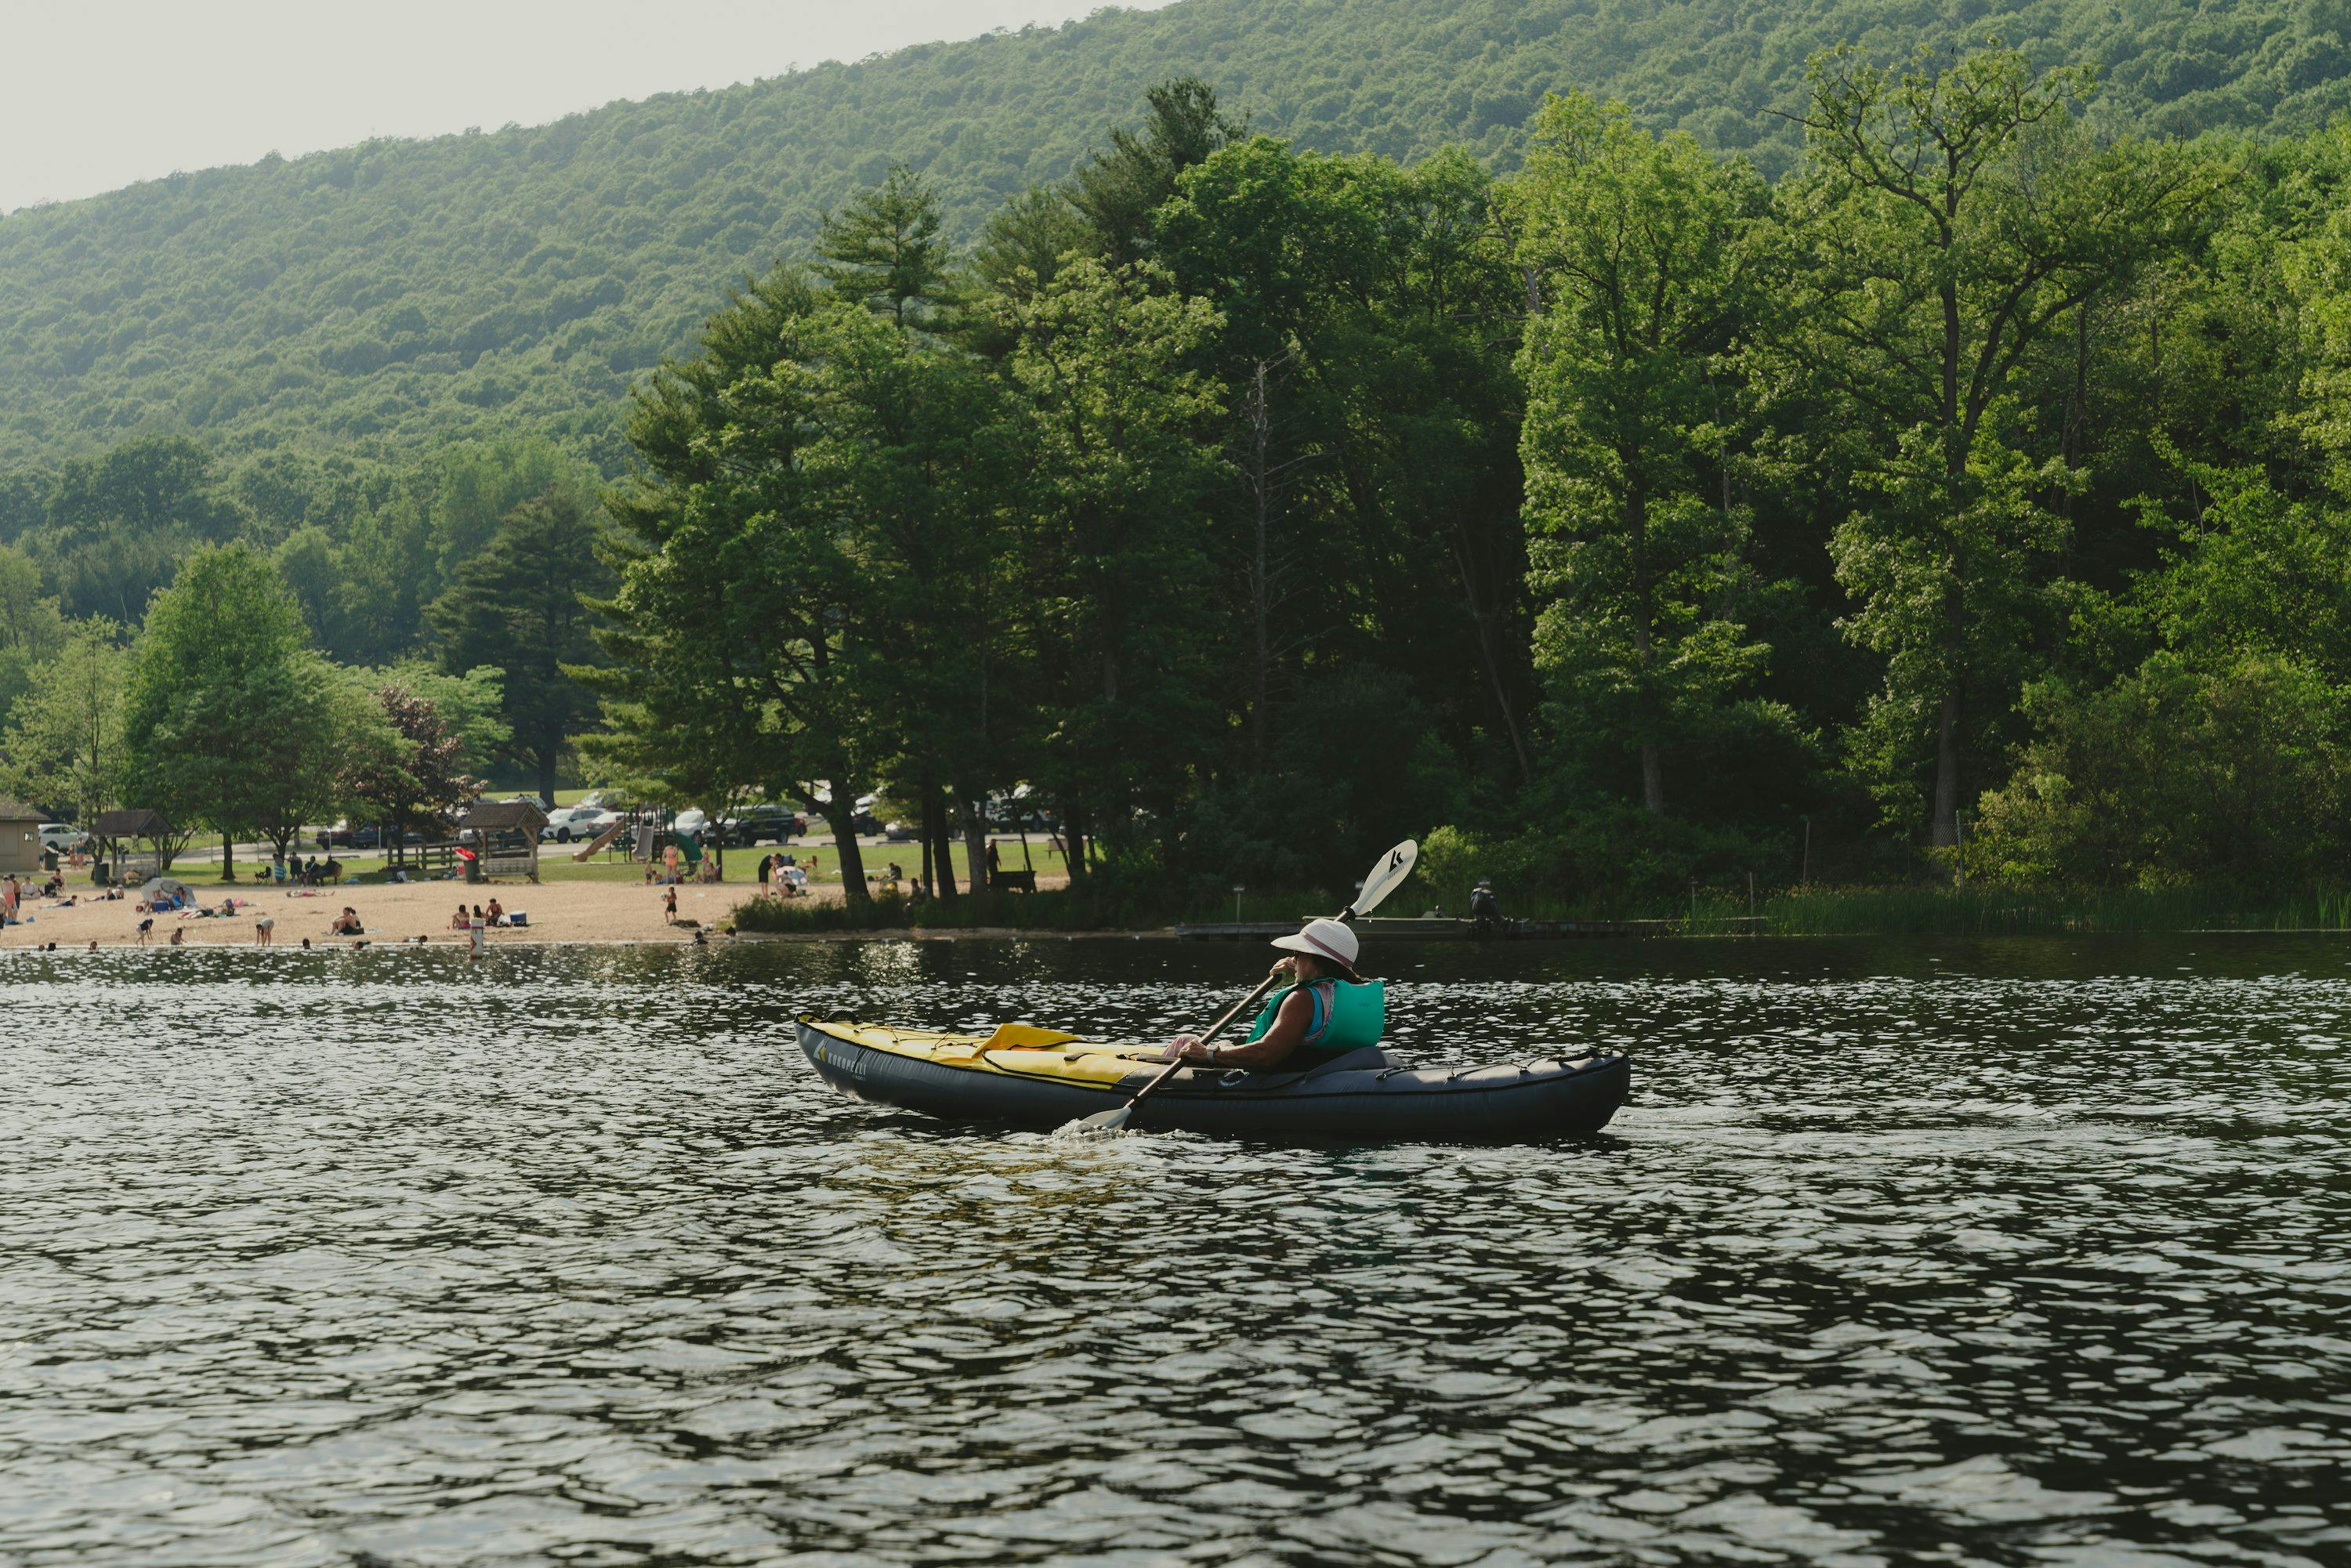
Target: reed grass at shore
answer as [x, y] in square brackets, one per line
[1984, 911]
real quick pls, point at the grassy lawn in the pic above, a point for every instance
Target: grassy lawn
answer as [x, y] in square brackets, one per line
[201, 868]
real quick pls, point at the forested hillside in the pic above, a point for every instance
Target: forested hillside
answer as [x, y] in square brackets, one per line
[399, 293]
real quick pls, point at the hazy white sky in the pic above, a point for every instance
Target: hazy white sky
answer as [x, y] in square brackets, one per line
[95, 94]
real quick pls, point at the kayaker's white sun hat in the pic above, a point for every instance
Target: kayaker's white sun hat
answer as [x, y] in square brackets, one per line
[1329, 940]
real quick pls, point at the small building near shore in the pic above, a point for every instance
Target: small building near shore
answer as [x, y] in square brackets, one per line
[504, 833]
[20, 838]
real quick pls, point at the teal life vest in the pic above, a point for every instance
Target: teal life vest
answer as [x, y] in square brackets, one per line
[1348, 1016]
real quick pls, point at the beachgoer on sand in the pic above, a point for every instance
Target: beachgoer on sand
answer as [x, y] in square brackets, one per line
[474, 927]
[264, 930]
[669, 907]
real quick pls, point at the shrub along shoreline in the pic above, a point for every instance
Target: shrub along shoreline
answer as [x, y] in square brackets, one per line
[1990, 910]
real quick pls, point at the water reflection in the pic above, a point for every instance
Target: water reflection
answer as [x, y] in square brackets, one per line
[2014, 1251]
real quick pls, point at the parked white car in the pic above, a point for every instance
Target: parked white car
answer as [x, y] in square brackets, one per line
[63, 838]
[584, 820]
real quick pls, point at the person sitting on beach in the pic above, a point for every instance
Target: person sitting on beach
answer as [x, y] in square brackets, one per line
[179, 935]
[460, 920]
[347, 924]
[497, 911]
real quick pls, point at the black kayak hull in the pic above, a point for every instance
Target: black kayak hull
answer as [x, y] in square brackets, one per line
[1552, 1098]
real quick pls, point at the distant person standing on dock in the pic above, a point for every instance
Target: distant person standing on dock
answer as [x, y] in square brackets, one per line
[1485, 911]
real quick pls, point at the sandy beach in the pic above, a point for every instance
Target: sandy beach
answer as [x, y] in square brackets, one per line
[392, 913]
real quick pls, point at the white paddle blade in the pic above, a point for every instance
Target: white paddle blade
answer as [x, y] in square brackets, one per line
[1387, 876]
[1100, 1121]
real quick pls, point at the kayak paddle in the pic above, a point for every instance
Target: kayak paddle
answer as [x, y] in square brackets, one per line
[1386, 878]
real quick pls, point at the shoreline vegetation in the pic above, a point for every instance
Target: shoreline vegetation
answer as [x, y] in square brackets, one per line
[1966, 538]
[1862, 912]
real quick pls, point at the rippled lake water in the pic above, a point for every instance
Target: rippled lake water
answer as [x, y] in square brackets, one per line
[2024, 1252]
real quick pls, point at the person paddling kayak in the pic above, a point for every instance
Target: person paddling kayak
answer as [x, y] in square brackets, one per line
[1327, 1010]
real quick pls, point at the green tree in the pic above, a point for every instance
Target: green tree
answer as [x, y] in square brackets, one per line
[1120, 192]
[2227, 771]
[65, 739]
[470, 490]
[1118, 435]
[909, 463]
[1946, 219]
[1373, 489]
[31, 630]
[883, 250]
[729, 630]
[326, 716]
[408, 766]
[230, 719]
[1631, 243]
[1024, 241]
[518, 606]
[120, 522]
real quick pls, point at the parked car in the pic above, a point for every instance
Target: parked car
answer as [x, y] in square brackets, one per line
[899, 833]
[763, 824]
[63, 838]
[584, 820]
[343, 836]
[692, 823]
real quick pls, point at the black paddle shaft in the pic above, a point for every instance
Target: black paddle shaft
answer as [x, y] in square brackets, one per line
[1214, 1030]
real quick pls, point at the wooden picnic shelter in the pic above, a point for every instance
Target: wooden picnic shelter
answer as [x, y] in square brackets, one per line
[114, 833]
[506, 835]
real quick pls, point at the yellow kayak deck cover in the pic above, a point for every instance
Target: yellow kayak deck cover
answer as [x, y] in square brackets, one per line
[1013, 1050]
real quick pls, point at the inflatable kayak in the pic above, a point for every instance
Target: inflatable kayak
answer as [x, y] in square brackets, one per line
[1038, 1077]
